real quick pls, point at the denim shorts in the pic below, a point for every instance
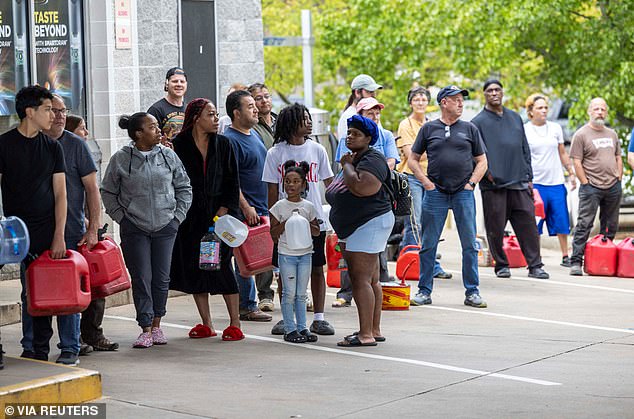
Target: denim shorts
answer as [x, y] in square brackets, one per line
[372, 236]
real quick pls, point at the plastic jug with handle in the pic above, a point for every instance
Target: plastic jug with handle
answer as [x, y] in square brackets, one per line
[297, 231]
[14, 240]
[230, 230]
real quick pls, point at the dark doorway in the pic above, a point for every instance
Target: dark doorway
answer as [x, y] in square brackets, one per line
[198, 46]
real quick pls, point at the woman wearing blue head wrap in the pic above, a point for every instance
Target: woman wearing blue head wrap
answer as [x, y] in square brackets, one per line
[361, 214]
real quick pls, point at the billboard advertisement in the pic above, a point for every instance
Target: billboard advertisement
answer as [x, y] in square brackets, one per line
[58, 49]
[13, 52]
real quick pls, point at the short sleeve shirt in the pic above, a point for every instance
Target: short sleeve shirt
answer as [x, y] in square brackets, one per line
[544, 143]
[282, 211]
[316, 157]
[597, 151]
[348, 212]
[169, 117]
[27, 166]
[631, 147]
[250, 154]
[407, 131]
[79, 163]
[450, 152]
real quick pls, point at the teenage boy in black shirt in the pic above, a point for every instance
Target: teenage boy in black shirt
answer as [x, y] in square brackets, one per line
[34, 189]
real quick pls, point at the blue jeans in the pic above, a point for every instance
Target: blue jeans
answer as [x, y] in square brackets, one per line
[409, 236]
[295, 273]
[436, 204]
[246, 287]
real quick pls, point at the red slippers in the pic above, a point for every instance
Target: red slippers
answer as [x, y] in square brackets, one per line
[232, 333]
[201, 331]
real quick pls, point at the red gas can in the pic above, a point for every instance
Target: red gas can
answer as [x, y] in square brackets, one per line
[407, 264]
[255, 255]
[57, 286]
[334, 261]
[108, 274]
[539, 204]
[513, 252]
[600, 256]
[625, 252]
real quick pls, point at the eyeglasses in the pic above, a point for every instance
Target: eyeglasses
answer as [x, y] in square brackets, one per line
[62, 112]
[447, 131]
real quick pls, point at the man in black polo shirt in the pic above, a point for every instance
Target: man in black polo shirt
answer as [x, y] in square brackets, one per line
[457, 161]
[507, 188]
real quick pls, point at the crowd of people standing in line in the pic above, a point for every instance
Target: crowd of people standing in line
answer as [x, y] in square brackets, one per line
[186, 165]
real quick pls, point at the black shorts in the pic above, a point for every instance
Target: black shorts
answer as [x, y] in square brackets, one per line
[319, 251]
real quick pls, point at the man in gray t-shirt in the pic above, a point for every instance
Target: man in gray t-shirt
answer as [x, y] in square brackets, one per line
[596, 155]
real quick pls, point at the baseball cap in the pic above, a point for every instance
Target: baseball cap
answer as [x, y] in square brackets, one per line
[369, 103]
[365, 125]
[363, 81]
[175, 70]
[451, 91]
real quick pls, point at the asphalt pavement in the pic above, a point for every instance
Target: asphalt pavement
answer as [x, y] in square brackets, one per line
[557, 348]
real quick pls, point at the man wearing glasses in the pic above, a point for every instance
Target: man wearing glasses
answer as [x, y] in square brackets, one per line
[507, 187]
[449, 143]
[266, 118]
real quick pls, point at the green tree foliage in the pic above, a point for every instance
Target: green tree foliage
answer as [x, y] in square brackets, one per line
[572, 49]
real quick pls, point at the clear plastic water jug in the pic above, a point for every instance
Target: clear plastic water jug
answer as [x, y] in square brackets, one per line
[298, 232]
[230, 230]
[14, 239]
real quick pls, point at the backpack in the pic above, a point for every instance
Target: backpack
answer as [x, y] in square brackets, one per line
[398, 189]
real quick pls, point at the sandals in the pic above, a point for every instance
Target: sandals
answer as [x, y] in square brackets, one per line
[295, 337]
[340, 302]
[353, 340]
[309, 336]
[232, 333]
[201, 331]
[376, 338]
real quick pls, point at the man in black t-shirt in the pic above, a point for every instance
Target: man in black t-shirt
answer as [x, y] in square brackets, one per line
[34, 189]
[457, 161]
[170, 111]
[507, 188]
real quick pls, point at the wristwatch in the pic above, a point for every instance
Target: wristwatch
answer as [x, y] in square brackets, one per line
[472, 184]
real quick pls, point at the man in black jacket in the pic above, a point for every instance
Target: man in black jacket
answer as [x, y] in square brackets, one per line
[507, 187]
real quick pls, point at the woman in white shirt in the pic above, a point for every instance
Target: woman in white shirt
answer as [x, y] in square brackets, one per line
[548, 155]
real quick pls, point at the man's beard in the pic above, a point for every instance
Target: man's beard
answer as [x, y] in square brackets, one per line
[598, 121]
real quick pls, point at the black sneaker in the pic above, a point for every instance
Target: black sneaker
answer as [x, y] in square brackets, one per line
[576, 270]
[503, 273]
[278, 329]
[443, 275]
[565, 262]
[85, 349]
[538, 273]
[322, 327]
[68, 358]
[1, 358]
[27, 354]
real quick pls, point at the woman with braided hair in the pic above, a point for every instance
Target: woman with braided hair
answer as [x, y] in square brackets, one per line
[211, 165]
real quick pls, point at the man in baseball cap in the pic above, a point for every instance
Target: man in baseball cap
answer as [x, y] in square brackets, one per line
[362, 86]
[451, 91]
[170, 111]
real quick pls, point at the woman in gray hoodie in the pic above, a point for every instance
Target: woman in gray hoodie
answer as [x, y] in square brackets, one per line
[147, 191]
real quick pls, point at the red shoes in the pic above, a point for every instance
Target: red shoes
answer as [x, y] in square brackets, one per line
[232, 333]
[201, 331]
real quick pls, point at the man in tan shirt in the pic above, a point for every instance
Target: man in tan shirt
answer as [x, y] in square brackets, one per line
[596, 154]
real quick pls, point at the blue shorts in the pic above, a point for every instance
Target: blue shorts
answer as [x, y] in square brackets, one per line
[556, 208]
[372, 236]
